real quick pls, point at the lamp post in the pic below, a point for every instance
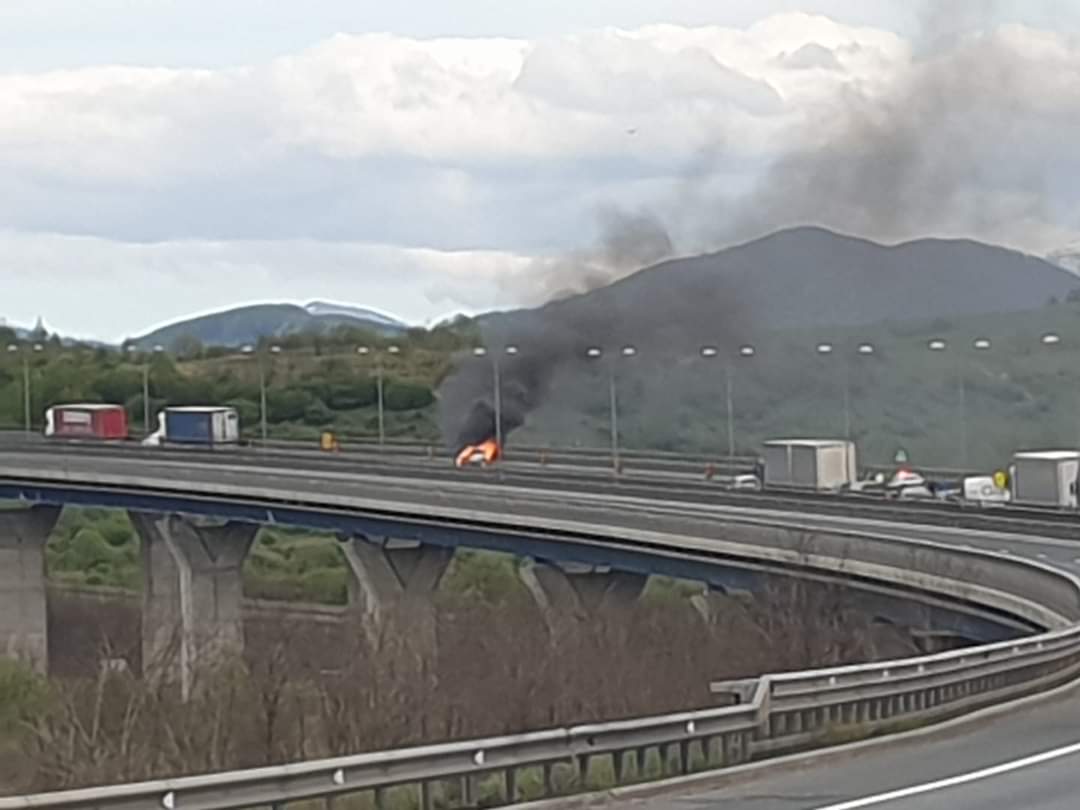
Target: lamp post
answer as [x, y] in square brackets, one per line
[711, 352]
[595, 353]
[496, 385]
[14, 348]
[264, 428]
[146, 387]
[364, 351]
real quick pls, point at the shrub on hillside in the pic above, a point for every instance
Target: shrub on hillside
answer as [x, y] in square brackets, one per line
[402, 396]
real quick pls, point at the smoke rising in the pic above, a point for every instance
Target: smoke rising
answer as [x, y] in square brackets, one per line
[918, 157]
[901, 162]
[627, 241]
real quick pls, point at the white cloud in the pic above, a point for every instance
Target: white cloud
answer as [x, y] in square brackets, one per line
[375, 166]
[113, 290]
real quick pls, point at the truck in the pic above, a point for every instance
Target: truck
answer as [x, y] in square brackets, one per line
[1046, 477]
[820, 464]
[87, 421]
[203, 425]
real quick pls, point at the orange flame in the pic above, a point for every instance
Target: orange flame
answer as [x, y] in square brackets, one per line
[487, 452]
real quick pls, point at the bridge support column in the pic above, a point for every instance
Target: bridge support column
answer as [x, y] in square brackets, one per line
[392, 588]
[192, 591]
[23, 621]
[579, 590]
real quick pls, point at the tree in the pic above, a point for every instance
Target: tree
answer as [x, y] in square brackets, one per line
[402, 396]
[188, 347]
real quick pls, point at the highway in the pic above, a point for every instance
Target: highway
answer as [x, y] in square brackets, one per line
[864, 780]
[923, 763]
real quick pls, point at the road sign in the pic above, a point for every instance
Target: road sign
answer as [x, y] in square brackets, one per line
[901, 456]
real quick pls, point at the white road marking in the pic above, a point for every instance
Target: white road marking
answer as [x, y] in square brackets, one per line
[953, 781]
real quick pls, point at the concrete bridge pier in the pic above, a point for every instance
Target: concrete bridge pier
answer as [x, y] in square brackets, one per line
[578, 590]
[23, 620]
[192, 591]
[392, 588]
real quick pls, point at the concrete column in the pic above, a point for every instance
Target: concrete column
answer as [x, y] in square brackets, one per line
[392, 587]
[578, 590]
[23, 622]
[192, 591]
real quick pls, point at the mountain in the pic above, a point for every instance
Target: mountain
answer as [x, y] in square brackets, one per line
[236, 327]
[802, 278]
[810, 283]
[1067, 257]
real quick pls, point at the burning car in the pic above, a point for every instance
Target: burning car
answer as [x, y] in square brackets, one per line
[484, 454]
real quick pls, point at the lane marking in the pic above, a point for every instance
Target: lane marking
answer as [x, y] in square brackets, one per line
[953, 781]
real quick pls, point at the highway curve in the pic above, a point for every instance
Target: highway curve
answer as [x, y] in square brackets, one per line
[915, 767]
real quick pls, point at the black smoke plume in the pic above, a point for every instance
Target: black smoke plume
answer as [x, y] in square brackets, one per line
[554, 336]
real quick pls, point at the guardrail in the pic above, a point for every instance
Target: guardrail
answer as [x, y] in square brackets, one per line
[772, 714]
[776, 714]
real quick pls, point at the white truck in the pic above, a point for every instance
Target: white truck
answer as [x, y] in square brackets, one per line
[1046, 477]
[821, 464]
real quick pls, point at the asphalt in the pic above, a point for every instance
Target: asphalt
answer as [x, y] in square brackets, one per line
[877, 770]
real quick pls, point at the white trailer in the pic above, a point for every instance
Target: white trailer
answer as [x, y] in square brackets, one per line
[823, 464]
[1046, 477]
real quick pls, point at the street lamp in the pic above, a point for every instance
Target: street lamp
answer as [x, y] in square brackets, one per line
[595, 353]
[364, 351]
[146, 387]
[496, 385]
[250, 351]
[711, 353]
[14, 348]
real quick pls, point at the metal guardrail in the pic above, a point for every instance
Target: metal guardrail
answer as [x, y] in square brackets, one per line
[778, 713]
[773, 714]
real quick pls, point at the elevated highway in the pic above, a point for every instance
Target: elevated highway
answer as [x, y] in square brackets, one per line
[1017, 571]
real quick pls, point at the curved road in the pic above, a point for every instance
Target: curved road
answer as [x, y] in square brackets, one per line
[974, 765]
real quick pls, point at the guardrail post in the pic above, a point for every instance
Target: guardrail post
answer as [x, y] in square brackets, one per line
[510, 779]
[549, 779]
[192, 591]
[23, 622]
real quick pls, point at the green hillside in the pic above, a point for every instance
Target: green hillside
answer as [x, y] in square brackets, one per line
[1020, 393]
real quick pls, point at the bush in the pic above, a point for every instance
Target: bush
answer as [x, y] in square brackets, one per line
[401, 396]
[288, 404]
[249, 412]
[317, 414]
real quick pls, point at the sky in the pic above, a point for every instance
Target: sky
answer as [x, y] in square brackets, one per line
[161, 159]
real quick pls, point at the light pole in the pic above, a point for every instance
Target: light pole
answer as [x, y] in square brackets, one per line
[865, 349]
[827, 349]
[14, 348]
[1050, 339]
[496, 382]
[745, 351]
[263, 426]
[146, 387]
[940, 345]
[595, 353]
[364, 351]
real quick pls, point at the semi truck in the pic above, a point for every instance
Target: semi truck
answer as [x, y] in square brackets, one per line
[1046, 477]
[87, 421]
[820, 464]
[200, 425]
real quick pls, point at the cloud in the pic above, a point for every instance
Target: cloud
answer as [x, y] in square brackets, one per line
[95, 287]
[371, 166]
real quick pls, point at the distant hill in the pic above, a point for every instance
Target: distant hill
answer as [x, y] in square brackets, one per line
[236, 327]
[798, 279]
[808, 277]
